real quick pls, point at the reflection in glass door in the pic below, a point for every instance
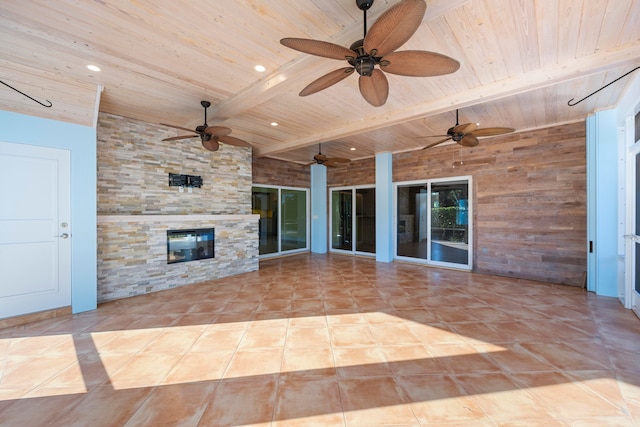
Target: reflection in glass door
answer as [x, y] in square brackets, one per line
[264, 202]
[294, 220]
[341, 230]
[449, 223]
[353, 220]
[412, 221]
[283, 219]
[432, 222]
[365, 220]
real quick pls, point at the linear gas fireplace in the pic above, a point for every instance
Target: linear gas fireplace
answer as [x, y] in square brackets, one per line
[190, 245]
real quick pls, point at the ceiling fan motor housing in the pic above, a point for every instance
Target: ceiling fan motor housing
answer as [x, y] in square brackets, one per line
[456, 136]
[364, 63]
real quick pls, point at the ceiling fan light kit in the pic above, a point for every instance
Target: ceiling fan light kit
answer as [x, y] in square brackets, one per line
[210, 136]
[378, 49]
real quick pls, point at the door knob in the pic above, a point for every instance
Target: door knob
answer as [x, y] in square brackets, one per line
[64, 235]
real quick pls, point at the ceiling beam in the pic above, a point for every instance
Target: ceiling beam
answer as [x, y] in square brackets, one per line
[281, 80]
[572, 68]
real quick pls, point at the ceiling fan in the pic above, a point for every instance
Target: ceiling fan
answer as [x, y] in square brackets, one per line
[321, 159]
[211, 136]
[394, 27]
[467, 134]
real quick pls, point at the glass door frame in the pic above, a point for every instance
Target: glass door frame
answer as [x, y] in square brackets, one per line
[279, 189]
[470, 209]
[630, 296]
[354, 219]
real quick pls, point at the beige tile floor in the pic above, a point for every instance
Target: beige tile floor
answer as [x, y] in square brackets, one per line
[333, 341]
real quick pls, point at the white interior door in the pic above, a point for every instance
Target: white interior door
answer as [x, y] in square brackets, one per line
[35, 229]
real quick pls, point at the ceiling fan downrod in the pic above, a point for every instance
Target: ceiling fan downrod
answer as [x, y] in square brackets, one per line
[457, 137]
[365, 62]
[201, 128]
[364, 5]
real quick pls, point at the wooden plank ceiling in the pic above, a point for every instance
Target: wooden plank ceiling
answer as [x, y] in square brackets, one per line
[521, 62]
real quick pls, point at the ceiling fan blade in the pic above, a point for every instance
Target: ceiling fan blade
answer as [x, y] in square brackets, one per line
[337, 160]
[469, 141]
[374, 88]
[175, 138]
[418, 63]
[177, 127]
[465, 128]
[327, 80]
[309, 164]
[211, 144]
[395, 27]
[318, 48]
[492, 131]
[329, 164]
[217, 130]
[438, 142]
[234, 141]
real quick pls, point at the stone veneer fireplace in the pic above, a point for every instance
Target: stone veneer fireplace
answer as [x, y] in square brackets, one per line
[136, 208]
[132, 252]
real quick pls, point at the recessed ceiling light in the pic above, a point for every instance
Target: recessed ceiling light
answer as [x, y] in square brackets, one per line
[274, 124]
[93, 67]
[259, 68]
[352, 148]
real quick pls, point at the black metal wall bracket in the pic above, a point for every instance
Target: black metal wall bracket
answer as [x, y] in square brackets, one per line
[180, 180]
[22, 93]
[570, 104]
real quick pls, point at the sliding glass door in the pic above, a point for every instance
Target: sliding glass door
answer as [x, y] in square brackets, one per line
[433, 222]
[284, 221]
[353, 220]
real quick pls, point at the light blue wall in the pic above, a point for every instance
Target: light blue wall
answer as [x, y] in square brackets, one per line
[602, 203]
[384, 207]
[81, 142]
[319, 232]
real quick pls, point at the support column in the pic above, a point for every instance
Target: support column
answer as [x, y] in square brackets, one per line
[602, 203]
[319, 209]
[384, 207]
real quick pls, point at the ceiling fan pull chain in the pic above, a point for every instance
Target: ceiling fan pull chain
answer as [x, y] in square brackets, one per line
[33, 99]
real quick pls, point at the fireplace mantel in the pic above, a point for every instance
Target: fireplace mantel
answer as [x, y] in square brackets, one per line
[174, 218]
